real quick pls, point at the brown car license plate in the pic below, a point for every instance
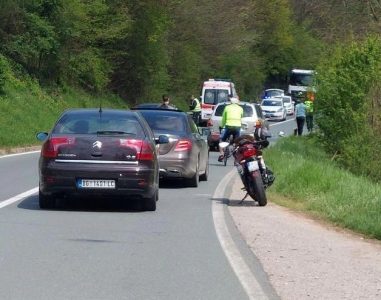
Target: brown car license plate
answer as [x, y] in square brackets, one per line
[96, 184]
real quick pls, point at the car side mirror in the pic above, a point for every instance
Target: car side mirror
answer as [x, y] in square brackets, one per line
[42, 136]
[162, 139]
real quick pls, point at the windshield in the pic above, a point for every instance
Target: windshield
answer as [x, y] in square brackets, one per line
[247, 110]
[165, 122]
[92, 122]
[273, 93]
[301, 79]
[271, 103]
[214, 96]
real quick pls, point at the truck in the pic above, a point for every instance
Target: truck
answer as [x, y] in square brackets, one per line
[300, 85]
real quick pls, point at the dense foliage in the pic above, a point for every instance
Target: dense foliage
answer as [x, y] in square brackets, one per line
[141, 49]
[349, 106]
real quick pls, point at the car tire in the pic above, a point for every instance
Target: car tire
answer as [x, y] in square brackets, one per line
[46, 201]
[193, 181]
[204, 177]
[150, 203]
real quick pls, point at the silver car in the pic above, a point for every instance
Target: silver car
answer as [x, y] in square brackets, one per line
[288, 104]
[251, 113]
[273, 109]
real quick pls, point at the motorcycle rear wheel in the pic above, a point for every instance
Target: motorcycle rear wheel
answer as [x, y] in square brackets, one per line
[256, 188]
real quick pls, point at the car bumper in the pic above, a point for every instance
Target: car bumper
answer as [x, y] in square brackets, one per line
[177, 168]
[274, 116]
[130, 182]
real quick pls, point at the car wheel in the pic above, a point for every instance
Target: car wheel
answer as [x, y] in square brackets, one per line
[204, 177]
[193, 181]
[150, 203]
[45, 201]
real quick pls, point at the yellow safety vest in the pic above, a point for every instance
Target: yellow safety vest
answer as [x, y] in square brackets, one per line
[232, 115]
[198, 105]
[309, 106]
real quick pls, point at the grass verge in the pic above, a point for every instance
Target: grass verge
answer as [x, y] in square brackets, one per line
[26, 109]
[307, 180]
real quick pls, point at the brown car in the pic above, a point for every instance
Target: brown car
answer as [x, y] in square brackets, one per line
[99, 152]
[186, 155]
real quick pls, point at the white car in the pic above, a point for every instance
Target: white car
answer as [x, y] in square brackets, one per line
[273, 109]
[251, 113]
[288, 104]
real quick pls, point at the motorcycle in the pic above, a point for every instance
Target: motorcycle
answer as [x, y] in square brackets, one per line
[255, 176]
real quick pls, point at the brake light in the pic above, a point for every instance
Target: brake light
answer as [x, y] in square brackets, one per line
[249, 152]
[50, 148]
[184, 145]
[209, 123]
[143, 149]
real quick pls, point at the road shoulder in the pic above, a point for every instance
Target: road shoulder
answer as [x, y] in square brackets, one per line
[305, 259]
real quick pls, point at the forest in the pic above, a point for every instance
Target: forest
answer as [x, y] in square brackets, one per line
[141, 49]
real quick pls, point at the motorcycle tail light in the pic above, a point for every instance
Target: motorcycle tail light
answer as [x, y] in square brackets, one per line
[249, 152]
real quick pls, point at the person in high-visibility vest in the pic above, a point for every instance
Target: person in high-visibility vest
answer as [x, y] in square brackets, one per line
[231, 123]
[195, 108]
[309, 114]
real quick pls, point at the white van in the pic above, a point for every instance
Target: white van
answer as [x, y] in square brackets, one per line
[215, 91]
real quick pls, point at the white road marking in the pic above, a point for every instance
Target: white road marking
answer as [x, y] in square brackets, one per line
[18, 197]
[17, 154]
[280, 123]
[241, 269]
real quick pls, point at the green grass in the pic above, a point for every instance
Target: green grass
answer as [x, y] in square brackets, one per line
[26, 109]
[307, 180]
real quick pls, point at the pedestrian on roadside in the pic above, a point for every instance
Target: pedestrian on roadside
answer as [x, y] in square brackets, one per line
[309, 114]
[195, 108]
[300, 114]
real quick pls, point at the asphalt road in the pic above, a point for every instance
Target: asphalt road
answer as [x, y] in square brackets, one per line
[105, 249]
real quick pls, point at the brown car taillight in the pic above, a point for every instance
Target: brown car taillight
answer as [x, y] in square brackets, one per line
[50, 148]
[183, 145]
[143, 149]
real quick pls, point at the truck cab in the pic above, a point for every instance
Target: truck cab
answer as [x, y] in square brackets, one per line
[300, 83]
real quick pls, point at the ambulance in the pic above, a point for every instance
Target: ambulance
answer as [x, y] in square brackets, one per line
[213, 92]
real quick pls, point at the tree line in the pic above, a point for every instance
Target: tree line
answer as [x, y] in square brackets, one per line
[141, 49]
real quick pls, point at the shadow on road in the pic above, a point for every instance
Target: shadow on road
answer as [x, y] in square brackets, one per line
[89, 204]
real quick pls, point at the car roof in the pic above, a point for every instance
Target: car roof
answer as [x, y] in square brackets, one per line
[97, 110]
[275, 90]
[158, 109]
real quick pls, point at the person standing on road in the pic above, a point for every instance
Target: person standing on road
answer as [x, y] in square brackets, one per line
[231, 123]
[195, 108]
[309, 114]
[300, 114]
[165, 103]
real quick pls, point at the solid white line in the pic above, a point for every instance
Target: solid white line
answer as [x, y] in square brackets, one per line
[241, 269]
[17, 154]
[18, 197]
[280, 123]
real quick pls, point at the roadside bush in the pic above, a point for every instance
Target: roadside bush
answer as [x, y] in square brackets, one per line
[345, 100]
[4, 73]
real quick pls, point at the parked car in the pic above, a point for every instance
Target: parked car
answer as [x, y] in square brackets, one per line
[186, 155]
[251, 113]
[270, 93]
[99, 152]
[288, 104]
[273, 109]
